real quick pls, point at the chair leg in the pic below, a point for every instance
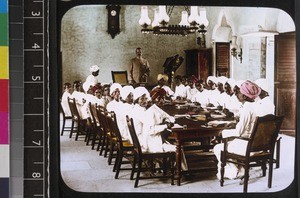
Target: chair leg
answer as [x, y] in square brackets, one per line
[222, 169]
[172, 169]
[88, 136]
[72, 129]
[79, 128]
[99, 143]
[264, 167]
[106, 147]
[118, 163]
[277, 153]
[103, 144]
[111, 152]
[133, 167]
[138, 173]
[164, 166]
[246, 178]
[270, 172]
[63, 126]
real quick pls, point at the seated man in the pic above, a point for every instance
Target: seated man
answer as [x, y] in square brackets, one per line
[162, 80]
[180, 89]
[248, 92]
[64, 99]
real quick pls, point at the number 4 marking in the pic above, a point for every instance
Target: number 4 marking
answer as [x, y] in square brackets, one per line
[36, 46]
[37, 143]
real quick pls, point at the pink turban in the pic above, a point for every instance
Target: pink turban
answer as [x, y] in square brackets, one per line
[250, 89]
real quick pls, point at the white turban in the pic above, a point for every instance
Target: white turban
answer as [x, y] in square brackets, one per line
[160, 76]
[126, 90]
[263, 84]
[113, 87]
[222, 79]
[239, 82]
[139, 91]
[212, 78]
[94, 68]
[231, 82]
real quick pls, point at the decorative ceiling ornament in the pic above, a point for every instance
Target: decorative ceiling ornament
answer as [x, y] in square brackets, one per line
[190, 22]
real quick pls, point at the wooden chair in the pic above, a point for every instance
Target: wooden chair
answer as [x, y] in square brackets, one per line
[260, 148]
[120, 77]
[76, 118]
[124, 147]
[96, 129]
[107, 135]
[141, 157]
[64, 127]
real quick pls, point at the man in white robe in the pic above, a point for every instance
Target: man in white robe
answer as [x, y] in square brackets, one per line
[64, 99]
[248, 92]
[91, 80]
[125, 109]
[180, 89]
[115, 104]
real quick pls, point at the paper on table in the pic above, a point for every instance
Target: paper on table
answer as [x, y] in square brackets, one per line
[180, 115]
[216, 123]
[177, 126]
[222, 115]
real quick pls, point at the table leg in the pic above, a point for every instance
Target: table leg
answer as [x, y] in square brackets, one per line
[178, 161]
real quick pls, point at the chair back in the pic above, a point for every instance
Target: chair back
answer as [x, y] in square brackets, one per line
[73, 108]
[265, 133]
[102, 115]
[116, 129]
[62, 109]
[120, 77]
[93, 112]
[135, 140]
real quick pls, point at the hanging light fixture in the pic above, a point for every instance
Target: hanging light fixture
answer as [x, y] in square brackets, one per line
[189, 24]
[203, 23]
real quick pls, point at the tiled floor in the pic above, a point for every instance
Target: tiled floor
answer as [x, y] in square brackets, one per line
[84, 170]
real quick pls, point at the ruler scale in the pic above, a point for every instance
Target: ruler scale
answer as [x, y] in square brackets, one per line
[35, 98]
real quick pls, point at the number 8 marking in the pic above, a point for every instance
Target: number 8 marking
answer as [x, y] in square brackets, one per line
[36, 175]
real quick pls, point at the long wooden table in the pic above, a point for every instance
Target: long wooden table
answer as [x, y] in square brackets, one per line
[193, 131]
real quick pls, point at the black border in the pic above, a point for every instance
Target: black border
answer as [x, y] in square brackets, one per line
[57, 187]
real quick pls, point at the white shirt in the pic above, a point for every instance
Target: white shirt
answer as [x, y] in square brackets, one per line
[191, 92]
[213, 96]
[180, 91]
[114, 106]
[152, 128]
[137, 114]
[65, 104]
[265, 106]
[201, 97]
[124, 110]
[79, 97]
[90, 81]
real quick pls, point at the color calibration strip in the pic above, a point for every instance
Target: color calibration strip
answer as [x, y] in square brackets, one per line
[4, 104]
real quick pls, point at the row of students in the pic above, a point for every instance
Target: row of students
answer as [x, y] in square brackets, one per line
[150, 121]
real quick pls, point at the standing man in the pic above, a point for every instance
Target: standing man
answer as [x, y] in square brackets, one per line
[91, 80]
[139, 68]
